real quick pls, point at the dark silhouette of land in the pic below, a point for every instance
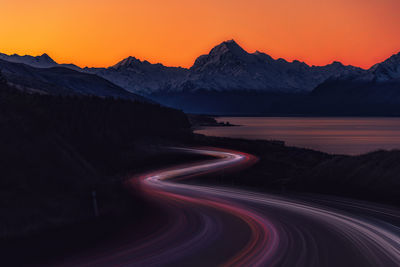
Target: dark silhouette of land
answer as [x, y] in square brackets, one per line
[57, 150]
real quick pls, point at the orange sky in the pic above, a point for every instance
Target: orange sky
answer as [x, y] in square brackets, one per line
[174, 32]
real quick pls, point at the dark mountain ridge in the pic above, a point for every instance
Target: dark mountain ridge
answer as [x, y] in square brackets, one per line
[373, 92]
[61, 81]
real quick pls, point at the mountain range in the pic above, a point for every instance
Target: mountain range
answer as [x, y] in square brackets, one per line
[57, 80]
[229, 80]
[227, 67]
[372, 92]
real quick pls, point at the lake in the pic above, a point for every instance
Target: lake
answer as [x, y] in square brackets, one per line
[351, 136]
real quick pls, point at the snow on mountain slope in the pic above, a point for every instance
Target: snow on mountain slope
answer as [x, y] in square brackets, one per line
[374, 92]
[227, 67]
[387, 70]
[141, 76]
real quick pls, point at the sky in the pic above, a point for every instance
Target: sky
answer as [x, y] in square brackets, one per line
[100, 33]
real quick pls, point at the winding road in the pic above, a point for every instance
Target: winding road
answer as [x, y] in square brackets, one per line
[209, 226]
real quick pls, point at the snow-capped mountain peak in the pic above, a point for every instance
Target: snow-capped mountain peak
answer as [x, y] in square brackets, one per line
[387, 70]
[46, 58]
[225, 54]
[229, 67]
[128, 62]
[228, 47]
[226, 67]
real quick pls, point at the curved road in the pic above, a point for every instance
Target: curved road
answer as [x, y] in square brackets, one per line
[208, 226]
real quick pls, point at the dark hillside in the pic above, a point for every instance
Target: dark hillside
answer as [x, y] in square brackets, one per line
[56, 150]
[347, 97]
[282, 169]
[374, 176]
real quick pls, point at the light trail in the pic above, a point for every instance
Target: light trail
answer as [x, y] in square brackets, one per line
[281, 231]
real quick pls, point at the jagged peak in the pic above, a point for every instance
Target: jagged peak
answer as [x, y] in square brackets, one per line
[134, 62]
[230, 41]
[46, 57]
[30, 60]
[228, 46]
[262, 55]
[388, 69]
[129, 61]
[282, 60]
[336, 63]
[298, 62]
[395, 58]
[333, 64]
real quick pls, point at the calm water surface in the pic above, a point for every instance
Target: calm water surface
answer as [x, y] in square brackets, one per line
[350, 136]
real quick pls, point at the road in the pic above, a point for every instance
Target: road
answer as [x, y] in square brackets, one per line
[209, 225]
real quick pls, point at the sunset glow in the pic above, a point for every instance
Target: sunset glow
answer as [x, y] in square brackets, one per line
[173, 32]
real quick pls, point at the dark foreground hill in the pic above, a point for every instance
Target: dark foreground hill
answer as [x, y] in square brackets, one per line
[56, 150]
[281, 169]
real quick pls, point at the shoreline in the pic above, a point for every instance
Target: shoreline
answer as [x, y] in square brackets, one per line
[344, 136]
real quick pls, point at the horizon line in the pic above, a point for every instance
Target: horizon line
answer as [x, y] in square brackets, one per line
[171, 66]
